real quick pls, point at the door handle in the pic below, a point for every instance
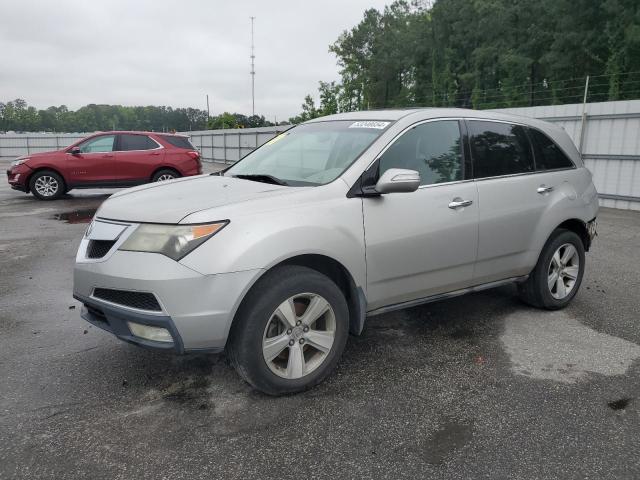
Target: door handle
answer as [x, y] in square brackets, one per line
[544, 189]
[459, 203]
[155, 153]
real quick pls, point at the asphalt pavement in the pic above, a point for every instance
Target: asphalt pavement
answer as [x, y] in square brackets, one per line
[479, 386]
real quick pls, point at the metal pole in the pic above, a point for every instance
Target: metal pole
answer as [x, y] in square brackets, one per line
[584, 114]
[253, 72]
[208, 115]
[224, 146]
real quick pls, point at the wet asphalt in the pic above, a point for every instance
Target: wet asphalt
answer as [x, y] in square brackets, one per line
[479, 386]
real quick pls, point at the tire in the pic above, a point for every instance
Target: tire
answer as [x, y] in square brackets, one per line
[544, 290]
[47, 185]
[260, 329]
[164, 174]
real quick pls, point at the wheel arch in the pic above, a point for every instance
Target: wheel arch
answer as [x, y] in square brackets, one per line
[579, 227]
[337, 272]
[164, 167]
[41, 169]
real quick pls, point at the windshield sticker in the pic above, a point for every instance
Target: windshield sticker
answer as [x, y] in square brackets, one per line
[369, 124]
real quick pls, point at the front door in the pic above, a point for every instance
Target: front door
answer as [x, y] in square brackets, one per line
[95, 164]
[422, 243]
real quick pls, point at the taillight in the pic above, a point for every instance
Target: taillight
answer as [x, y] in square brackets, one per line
[196, 157]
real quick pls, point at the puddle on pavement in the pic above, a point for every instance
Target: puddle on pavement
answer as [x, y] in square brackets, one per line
[555, 346]
[76, 216]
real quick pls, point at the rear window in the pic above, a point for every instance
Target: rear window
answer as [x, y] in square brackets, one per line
[180, 142]
[130, 142]
[548, 154]
[499, 149]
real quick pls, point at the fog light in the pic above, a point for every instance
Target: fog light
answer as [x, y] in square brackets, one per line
[157, 334]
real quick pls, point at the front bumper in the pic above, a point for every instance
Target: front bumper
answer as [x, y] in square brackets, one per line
[116, 320]
[197, 309]
[17, 177]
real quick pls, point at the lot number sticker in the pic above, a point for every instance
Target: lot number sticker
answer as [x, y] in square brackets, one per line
[369, 124]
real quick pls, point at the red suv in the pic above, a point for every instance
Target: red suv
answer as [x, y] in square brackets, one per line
[106, 159]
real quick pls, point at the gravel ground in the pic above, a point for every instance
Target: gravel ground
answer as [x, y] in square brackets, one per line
[475, 387]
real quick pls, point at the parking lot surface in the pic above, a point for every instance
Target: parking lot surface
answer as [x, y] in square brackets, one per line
[479, 386]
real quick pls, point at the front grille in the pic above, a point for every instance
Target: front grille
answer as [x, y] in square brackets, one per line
[99, 248]
[126, 298]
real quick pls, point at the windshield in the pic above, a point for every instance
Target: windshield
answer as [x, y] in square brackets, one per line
[310, 154]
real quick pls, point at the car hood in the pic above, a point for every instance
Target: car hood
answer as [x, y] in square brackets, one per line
[41, 154]
[170, 202]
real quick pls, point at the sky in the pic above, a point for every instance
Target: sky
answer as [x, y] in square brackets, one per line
[143, 52]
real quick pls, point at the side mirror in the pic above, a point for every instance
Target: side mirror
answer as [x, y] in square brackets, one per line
[75, 151]
[398, 180]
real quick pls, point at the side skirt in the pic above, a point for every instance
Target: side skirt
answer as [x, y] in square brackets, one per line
[442, 296]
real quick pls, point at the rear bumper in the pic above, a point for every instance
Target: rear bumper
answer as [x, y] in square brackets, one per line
[592, 232]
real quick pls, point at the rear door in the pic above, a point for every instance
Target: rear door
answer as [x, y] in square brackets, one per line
[422, 243]
[511, 205]
[95, 164]
[138, 156]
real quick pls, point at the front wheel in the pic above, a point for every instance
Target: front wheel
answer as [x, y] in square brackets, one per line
[46, 185]
[290, 331]
[558, 274]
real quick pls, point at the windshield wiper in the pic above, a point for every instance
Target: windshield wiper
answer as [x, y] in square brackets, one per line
[261, 177]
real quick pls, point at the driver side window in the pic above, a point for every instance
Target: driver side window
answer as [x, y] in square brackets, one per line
[434, 149]
[102, 143]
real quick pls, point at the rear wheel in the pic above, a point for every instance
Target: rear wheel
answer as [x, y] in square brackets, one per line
[46, 185]
[290, 332]
[164, 174]
[558, 274]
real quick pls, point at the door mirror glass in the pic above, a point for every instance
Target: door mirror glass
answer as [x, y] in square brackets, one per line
[75, 151]
[398, 180]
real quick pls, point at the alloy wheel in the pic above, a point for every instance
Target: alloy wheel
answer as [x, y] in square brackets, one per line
[164, 177]
[563, 271]
[299, 335]
[46, 185]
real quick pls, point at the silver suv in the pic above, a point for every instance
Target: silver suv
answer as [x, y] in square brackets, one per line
[279, 257]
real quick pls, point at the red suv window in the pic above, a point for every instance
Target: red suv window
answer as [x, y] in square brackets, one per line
[128, 142]
[180, 142]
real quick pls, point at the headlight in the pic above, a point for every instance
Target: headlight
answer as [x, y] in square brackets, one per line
[19, 161]
[174, 241]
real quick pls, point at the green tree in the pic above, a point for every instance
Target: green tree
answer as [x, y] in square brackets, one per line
[489, 53]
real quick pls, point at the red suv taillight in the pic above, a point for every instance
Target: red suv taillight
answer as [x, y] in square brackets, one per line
[196, 157]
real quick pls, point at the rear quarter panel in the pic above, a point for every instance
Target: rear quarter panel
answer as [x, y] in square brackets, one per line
[574, 197]
[179, 160]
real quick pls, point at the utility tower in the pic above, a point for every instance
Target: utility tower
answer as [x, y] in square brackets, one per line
[253, 72]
